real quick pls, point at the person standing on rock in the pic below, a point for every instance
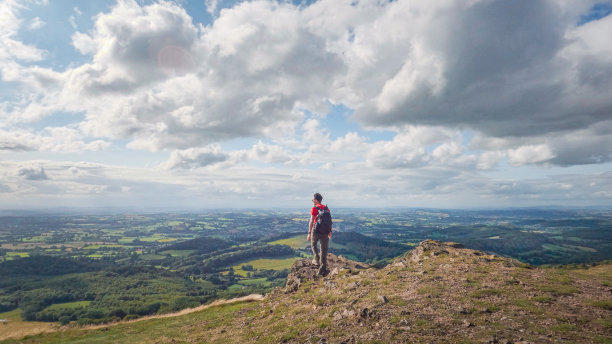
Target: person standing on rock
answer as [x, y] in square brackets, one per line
[319, 230]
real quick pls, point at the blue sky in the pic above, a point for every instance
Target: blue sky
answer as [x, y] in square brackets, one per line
[199, 104]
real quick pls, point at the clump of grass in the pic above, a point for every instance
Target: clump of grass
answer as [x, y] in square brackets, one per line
[429, 290]
[528, 306]
[560, 279]
[558, 289]
[395, 320]
[483, 269]
[397, 301]
[422, 323]
[289, 333]
[325, 323]
[485, 305]
[543, 299]
[485, 292]
[564, 328]
[607, 322]
[605, 304]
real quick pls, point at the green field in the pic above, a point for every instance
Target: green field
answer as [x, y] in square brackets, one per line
[265, 264]
[147, 256]
[96, 247]
[178, 253]
[255, 281]
[552, 247]
[75, 304]
[298, 241]
[207, 285]
[12, 255]
[153, 238]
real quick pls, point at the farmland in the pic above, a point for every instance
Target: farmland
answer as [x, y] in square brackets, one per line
[89, 269]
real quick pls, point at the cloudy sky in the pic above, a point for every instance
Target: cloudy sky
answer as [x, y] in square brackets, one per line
[218, 103]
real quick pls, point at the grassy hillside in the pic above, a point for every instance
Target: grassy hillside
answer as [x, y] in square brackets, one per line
[439, 292]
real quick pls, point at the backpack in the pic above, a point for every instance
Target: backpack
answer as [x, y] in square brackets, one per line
[324, 221]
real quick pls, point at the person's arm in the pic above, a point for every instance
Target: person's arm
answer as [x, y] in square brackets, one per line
[310, 225]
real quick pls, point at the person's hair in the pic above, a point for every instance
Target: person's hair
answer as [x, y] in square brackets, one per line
[318, 197]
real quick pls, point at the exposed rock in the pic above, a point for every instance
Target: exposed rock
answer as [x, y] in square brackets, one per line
[467, 323]
[464, 310]
[303, 270]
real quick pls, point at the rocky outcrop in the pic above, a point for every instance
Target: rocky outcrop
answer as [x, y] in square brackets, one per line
[304, 269]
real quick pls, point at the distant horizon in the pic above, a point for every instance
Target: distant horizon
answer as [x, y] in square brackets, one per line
[179, 210]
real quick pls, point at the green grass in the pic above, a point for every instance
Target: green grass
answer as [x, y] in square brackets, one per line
[17, 254]
[178, 253]
[607, 323]
[265, 264]
[206, 285]
[544, 299]
[563, 328]
[75, 304]
[528, 306]
[255, 281]
[16, 327]
[166, 240]
[297, 242]
[96, 247]
[162, 330]
[429, 290]
[14, 315]
[151, 256]
[605, 304]
[559, 289]
[235, 287]
[485, 292]
[153, 238]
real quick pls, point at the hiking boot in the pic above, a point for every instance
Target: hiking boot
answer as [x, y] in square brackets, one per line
[314, 262]
[323, 271]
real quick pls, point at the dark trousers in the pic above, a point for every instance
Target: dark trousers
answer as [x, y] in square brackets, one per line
[324, 239]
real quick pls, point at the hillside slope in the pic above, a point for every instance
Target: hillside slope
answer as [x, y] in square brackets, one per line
[437, 293]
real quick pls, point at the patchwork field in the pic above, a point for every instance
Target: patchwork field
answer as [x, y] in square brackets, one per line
[68, 305]
[265, 264]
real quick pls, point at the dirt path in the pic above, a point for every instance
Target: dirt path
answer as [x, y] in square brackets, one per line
[252, 297]
[21, 331]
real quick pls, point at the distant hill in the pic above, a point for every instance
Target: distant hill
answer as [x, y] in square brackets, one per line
[437, 293]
